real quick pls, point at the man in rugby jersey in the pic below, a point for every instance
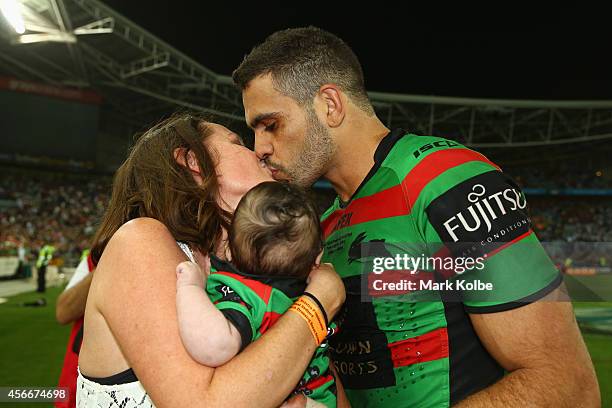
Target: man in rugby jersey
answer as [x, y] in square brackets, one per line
[304, 97]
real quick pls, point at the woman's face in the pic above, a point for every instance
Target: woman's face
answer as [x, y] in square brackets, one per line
[237, 166]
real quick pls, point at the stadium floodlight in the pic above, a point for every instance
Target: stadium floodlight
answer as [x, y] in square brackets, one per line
[11, 10]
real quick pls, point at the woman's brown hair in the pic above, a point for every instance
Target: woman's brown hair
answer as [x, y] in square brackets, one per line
[152, 183]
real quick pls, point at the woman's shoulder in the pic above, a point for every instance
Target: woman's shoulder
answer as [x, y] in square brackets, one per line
[139, 237]
[140, 230]
[142, 226]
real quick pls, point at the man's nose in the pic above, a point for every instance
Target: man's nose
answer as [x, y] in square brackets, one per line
[263, 145]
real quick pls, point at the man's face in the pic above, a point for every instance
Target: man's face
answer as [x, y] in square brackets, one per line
[294, 143]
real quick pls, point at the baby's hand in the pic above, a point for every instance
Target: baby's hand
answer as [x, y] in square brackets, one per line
[189, 273]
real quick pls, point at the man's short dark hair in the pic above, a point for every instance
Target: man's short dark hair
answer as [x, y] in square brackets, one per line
[300, 61]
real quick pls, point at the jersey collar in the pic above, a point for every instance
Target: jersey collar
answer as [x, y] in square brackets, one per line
[382, 151]
[289, 285]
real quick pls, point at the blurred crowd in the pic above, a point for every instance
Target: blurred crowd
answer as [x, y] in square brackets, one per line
[38, 209]
[577, 232]
[562, 175]
[572, 220]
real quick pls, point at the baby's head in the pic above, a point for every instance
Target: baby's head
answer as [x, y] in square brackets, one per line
[276, 231]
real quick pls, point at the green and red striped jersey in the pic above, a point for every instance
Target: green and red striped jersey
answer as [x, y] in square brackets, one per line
[425, 195]
[253, 303]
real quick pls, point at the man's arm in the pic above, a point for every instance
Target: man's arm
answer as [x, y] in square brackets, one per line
[541, 347]
[71, 303]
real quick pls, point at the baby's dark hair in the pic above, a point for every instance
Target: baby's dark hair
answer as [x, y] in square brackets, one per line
[275, 231]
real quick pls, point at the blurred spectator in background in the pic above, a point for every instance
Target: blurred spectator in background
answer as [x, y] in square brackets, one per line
[44, 258]
[21, 254]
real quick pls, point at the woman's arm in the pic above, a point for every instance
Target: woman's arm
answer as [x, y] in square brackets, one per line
[137, 300]
[207, 335]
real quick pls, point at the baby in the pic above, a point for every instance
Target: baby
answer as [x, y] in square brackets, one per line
[275, 241]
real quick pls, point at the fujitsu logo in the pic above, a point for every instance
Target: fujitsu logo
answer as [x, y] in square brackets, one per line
[484, 210]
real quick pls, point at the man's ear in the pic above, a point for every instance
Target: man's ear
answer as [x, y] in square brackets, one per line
[331, 95]
[180, 153]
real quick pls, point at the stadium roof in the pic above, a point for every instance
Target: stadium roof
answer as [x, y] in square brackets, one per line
[86, 44]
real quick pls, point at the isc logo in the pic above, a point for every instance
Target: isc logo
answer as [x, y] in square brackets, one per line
[429, 146]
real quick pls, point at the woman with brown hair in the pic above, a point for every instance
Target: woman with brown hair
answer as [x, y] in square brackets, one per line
[181, 182]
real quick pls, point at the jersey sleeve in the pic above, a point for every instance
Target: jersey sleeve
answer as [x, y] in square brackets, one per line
[237, 303]
[470, 210]
[80, 273]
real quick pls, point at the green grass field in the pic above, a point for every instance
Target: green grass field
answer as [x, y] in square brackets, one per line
[32, 345]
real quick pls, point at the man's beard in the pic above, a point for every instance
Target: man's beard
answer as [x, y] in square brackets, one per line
[316, 153]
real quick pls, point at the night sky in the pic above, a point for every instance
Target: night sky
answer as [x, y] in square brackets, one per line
[498, 52]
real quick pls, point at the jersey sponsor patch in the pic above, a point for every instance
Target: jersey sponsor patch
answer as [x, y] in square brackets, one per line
[360, 349]
[481, 213]
[363, 360]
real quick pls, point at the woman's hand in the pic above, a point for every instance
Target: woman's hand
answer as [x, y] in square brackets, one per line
[325, 284]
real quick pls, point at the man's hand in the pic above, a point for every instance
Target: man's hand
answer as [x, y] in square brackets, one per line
[541, 347]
